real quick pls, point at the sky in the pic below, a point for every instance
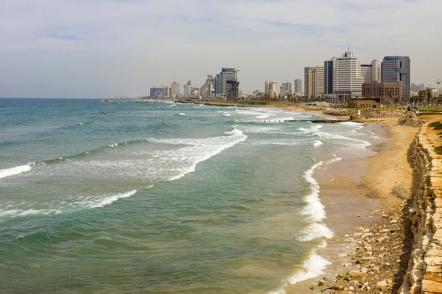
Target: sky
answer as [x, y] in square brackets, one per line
[108, 48]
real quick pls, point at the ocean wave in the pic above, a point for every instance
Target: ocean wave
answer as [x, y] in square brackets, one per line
[316, 231]
[280, 142]
[312, 267]
[236, 136]
[314, 208]
[317, 143]
[7, 172]
[71, 204]
[315, 130]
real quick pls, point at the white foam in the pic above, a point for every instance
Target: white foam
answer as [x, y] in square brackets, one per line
[315, 131]
[314, 208]
[317, 143]
[110, 199]
[181, 114]
[70, 205]
[15, 170]
[334, 159]
[280, 142]
[316, 231]
[312, 267]
[174, 164]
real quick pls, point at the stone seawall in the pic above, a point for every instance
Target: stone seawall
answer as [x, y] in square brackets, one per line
[424, 272]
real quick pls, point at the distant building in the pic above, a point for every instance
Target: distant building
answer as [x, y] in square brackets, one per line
[328, 76]
[188, 89]
[208, 88]
[384, 90]
[397, 69]
[314, 82]
[175, 89]
[347, 78]
[232, 90]
[286, 89]
[226, 74]
[309, 81]
[375, 71]
[195, 93]
[417, 88]
[366, 73]
[266, 87]
[298, 86]
[365, 103]
[272, 89]
[318, 87]
[160, 92]
[371, 72]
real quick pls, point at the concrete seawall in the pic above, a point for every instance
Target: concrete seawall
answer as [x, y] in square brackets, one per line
[424, 272]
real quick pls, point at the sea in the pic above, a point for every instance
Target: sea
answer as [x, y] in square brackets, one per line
[134, 197]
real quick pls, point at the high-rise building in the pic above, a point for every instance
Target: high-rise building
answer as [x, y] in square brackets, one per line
[226, 74]
[188, 89]
[318, 88]
[273, 89]
[328, 76]
[208, 88]
[266, 87]
[232, 90]
[298, 86]
[371, 72]
[397, 69]
[160, 92]
[175, 89]
[286, 89]
[366, 73]
[309, 81]
[347, 78]
[375, 71]
[314, 81]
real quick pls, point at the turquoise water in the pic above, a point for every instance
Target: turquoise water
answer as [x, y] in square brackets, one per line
[161, 198]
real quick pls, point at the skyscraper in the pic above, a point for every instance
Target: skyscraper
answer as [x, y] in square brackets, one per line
[318, 88]
[273, 89]
[208, 88]
[328, 76]
[175, 89]
[314, 81]
[226, 74]
[397, 69]
[347, 78]
[298, 86]
[188, 89]
[308, 81]
[286, 89]
[375, 71]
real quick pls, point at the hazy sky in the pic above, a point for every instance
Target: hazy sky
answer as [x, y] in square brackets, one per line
[96, 48]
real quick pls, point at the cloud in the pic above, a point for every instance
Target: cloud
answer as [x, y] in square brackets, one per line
[94, 48]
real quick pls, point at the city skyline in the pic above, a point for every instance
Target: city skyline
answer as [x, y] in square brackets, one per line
[121, 48]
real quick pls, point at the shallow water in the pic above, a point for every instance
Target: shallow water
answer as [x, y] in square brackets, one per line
[159, 198]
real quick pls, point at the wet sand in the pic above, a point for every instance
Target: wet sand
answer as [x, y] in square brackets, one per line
[356, 191]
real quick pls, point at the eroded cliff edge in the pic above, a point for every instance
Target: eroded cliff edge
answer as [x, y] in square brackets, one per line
[424, 272]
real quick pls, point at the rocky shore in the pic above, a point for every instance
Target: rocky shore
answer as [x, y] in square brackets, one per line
[402, 252]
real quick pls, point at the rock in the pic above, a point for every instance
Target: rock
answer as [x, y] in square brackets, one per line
[381, 285]
[355, 274]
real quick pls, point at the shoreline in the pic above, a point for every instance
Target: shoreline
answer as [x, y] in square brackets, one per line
[374, 210]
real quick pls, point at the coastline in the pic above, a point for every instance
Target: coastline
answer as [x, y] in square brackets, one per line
[362, 205]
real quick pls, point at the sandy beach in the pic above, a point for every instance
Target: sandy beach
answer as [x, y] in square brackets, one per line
[361, 195]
